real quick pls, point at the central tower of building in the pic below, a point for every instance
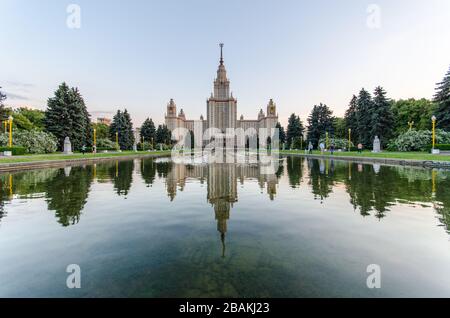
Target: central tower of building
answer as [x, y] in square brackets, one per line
[221, 107]
[221, 110]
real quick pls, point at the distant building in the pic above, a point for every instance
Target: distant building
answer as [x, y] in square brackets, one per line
[104, 120]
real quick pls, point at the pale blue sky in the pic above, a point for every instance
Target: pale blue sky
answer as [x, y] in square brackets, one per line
[139, 54]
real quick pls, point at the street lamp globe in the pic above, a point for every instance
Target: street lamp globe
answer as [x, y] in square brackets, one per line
[433, 118]
[10, 118]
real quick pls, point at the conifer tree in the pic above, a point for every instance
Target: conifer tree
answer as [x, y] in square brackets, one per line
[163, 135]
[148, 131]
[320, 121]
[122, 125]
[282, 134]
[2, 106]
[351, 118]
[442, 100]
[364, 109]
[382, 117]
[295, 129]
[67, 116]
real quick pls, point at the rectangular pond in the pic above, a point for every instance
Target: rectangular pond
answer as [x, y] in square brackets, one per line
[155, 228]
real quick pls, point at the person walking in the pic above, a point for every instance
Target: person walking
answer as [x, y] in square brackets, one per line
[332, 149]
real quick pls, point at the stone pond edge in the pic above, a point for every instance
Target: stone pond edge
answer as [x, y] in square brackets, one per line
[385, 161]
[18, 166]
[31, 165]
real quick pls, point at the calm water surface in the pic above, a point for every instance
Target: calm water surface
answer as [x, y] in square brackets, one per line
[153, 228]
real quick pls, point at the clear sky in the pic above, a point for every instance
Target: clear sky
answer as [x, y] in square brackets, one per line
[139, 53]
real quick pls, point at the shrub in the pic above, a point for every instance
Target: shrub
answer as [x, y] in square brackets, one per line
[338, 143]
[163, 147]
[16, 150]
[33, 141]
[105, 144]
[418, 140]
[105, 149]
[146, 146]
[443, 147]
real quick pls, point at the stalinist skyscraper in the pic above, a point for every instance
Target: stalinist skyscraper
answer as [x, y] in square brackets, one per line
[221, 110]
[221, 107]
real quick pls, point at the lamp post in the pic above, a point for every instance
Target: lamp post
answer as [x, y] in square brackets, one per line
[411, 124]
[433, 120]
[349, 139]
[6, 125]
[326, 140]
[95, 141]
[117, 140]
[10, 120]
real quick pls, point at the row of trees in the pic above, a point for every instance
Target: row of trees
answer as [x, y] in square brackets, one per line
[67, 116]
[150, 134]
[372, 115]
[368, 117]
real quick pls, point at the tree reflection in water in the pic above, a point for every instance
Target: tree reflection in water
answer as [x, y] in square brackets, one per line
[372, 189]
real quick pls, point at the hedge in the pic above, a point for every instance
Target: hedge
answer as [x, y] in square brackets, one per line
[443, 147]
[106, 149]
[16, 150]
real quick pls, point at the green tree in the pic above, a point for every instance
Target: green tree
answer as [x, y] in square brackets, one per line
[382, 117]
[102, 130]
[163, 135]
[282, 134]
[67, 116]
[21, 122]
[320, 121]
[295, 129]
[2, 106]
[351, 115]
[122, 125]
[364, 110]
[442, 100]
[34, 116]
[418, 111]
[85, 121]
[148, 131]
[340, 128]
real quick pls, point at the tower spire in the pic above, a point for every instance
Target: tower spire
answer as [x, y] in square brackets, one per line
[221, 53]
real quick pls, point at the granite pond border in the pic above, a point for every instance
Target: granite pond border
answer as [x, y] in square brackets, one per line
[31, 165]
[19, 166]
[385, 161]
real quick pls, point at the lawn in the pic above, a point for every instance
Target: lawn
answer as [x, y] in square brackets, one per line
[390, 155]
[59, 156]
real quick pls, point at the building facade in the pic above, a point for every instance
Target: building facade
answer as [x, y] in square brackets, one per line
[221, 111]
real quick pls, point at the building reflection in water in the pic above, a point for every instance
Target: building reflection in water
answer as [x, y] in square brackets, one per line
[222, 183]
